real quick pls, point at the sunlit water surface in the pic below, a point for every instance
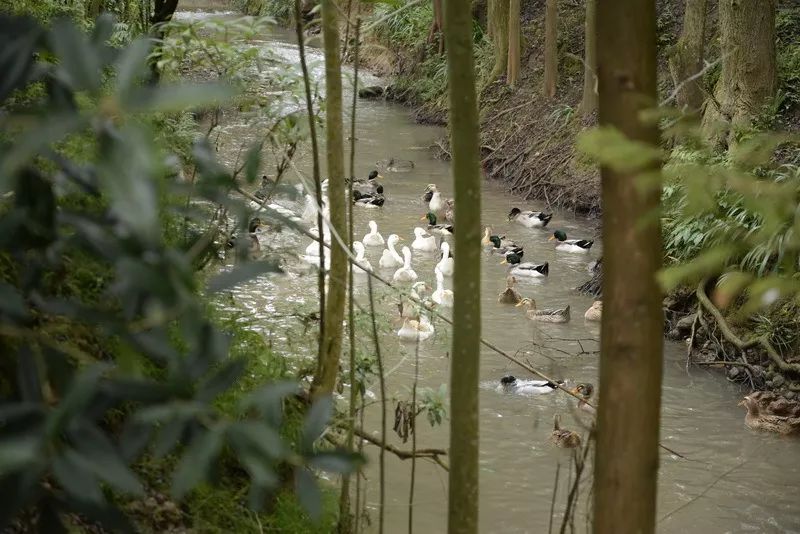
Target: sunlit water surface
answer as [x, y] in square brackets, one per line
[737, 480]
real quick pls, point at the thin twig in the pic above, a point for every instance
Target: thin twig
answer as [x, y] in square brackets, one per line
[702, 493]
[431, 454]
[382, 456]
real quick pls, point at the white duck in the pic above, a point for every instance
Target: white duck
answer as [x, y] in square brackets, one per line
[405, 273]
[313, 248]
[410, 308]
[416, 330]
[442, 296]
[373, 238]
[436, 204]
[423, 241]
[363, 263]
[512, 384]
[446, 265]
[390, 257]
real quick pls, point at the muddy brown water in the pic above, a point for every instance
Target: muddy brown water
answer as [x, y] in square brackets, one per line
[734, 480]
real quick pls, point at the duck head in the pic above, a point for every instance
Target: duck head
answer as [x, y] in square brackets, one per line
[512, 258]
[584, 389]
[528, 303]
[373, 175]
[514, 212]
[751, 404]
[561, 235]
[508, 380]
[430, 216]
[255, 224]
[495, 241]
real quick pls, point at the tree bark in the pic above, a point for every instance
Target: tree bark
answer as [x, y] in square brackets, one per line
[437, 25]
[551, 48]
[498, 31]
[514, 42]
[626, 461]
[464, 446]
[748, 79]
[164, 9]
[687, 59]
[589, 100]
[328, 366]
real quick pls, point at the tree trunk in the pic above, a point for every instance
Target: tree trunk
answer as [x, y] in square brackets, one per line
[437, 26]
[463, 477]
[748, 79]
[589, 100]
[626, 461]
[687, 59]
[498, 31]
[513, 42]
[328, 366]
[164, 9]
[551, 48]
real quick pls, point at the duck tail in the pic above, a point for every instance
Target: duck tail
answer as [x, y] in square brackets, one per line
[545, 218]
[544, 268]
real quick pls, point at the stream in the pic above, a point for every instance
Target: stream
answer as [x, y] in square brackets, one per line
[733, 480]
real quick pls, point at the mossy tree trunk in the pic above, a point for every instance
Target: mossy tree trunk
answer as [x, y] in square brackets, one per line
[589, 99]
[626, 461]
[464, 445]
[687, 58]
[328, 366]
[514, 42]
[498, 31]
[551, 48]
[748, 79]
[437, 25]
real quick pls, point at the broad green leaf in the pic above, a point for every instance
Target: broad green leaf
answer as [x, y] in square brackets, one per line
[308, 492]
[269, 400]
[19, 39]
[79, 65]
[611, 148]
[259, 437]
[82, 390]
[131, 67]
[177, 97]
[100, 456]
[28, 375]
[316, 421]
[197, 461]
[708, 263]
[221, 380]
[71, 473]
[19, 452]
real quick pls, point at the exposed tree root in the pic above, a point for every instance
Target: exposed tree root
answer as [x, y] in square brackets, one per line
[432, 454]
[739, 343]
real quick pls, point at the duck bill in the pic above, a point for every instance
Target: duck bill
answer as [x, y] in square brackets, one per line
[520, 303]
[422, 218]
[503, 262]
[379, 176]
[551, 238]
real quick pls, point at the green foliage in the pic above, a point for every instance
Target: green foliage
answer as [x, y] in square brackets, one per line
[154, 371]
[788, 56]
[280, 10]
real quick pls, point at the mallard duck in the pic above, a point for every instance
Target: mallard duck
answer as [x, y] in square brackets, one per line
[584, 390]
[530, 219]
[760, 417]
[503, 246]
[405, 273]
[373, 238]
[561, 437]
[423, 241]
[312, 249]
[527, 269]
[416, 330]
[266, 187]
[370, 184]
[446, 264]
[441, 229]
[595, 312]
[428, 194]
[511, 384]
[510, 295]
[363, 263]
[570, 245]
[369, 200]
[450, 210]
[553, 315]
[443, 297]
[390, 257]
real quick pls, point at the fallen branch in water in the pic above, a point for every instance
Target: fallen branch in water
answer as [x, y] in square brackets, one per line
[738, 342]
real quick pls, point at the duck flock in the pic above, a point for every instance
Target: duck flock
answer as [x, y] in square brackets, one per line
[431, 237]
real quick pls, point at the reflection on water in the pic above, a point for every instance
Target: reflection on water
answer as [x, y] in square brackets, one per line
[699, 418]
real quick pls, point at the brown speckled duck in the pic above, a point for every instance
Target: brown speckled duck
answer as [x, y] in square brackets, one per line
[510, 295]
[771, 414]
[566, 439]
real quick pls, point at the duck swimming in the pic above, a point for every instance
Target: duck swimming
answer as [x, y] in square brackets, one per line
[527, 269]
[424, 241]
[510, 295]
[446, 265]
[416, 330]
[369, 200]
[373, 238]
[584, 390]
[570, 245]
[512, 384]
[405, 273]
[441, 229]
[410, 308]
[552, 315]
[253, 244]
[368, 185]
[760, 417]
[595, 312]
[530, 219]
[561, 437]
[443, 297]
[364, 265]
[390, 257]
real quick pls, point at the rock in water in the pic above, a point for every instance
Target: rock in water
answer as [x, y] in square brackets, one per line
[371, 91]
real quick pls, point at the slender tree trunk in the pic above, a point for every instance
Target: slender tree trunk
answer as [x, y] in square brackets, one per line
[589, 100]
[437, 25]
[687, 59]
[551, 48]
[748, 79]
[325, 379]
[463, 479]
[626, 462]
[498, 31]
[514, 42]
[164, 9]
